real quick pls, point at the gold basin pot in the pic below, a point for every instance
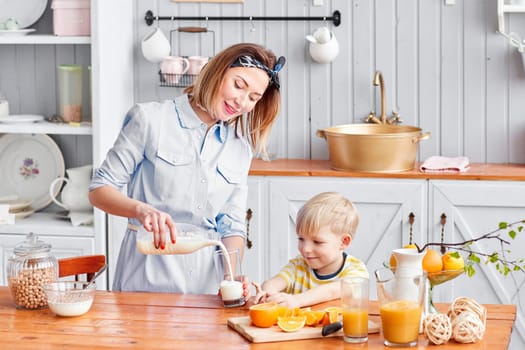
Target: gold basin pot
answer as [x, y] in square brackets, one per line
[373, 147]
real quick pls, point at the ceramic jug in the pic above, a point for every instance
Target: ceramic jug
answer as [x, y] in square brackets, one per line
[74, 195]
[410, 265]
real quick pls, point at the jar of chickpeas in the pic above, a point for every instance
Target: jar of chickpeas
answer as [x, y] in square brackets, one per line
[28, 270]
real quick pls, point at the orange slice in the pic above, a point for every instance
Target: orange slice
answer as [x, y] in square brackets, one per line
[264, 315]
[314, 318]
[284, 311]
[332, 314]
[292, 323]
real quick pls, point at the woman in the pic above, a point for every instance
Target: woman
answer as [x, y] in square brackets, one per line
[186, 161]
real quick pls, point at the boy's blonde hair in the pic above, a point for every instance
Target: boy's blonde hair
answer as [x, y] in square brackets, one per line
[327, 209]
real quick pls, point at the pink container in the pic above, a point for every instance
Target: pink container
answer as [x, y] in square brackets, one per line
[71, 17]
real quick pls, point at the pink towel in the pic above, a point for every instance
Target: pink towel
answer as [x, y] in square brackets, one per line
[438, 164]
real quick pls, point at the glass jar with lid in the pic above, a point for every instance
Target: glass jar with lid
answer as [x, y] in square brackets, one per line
[28, 270]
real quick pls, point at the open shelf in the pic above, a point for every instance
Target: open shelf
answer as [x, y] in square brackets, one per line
[44, 39]
[47, 223]
[46, 127]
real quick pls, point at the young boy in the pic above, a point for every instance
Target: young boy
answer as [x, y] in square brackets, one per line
[325, 227]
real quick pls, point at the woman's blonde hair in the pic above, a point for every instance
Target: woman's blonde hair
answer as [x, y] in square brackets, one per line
[257, 124]
[327, 209]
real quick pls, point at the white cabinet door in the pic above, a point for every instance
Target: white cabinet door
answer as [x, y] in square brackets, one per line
[254, 260]
[384, 206]
[61, 247]
[473, 208]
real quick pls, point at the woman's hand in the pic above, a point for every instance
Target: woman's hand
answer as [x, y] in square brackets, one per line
[155, 221]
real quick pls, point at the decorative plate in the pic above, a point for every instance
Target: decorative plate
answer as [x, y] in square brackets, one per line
[21, 118]
[18, 32]
[28, 165]
[26, 12]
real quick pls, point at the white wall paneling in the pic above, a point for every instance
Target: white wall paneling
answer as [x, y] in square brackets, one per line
[446, 69]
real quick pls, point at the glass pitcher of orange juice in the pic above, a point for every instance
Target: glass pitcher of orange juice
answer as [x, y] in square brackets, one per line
[400, 298]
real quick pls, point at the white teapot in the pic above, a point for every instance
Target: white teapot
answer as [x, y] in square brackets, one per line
[75, 193]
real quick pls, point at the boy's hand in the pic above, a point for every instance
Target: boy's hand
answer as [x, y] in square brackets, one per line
[284, 299]
[260, 294]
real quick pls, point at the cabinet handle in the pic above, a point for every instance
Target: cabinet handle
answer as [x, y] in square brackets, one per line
[248, 218]
[443, 222]
[411, 219]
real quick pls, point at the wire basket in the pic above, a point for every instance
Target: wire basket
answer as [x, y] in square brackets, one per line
[183, 80]
[177, 80]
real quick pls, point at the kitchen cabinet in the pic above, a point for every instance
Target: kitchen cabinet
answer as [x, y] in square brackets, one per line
[473, 208]
[109, 52]
[384, 206]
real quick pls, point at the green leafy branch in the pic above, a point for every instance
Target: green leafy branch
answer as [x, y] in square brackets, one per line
[499, 258]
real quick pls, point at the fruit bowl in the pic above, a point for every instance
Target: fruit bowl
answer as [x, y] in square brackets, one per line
[439, 277]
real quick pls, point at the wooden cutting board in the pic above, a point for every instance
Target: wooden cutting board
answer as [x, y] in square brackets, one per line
[243, 326]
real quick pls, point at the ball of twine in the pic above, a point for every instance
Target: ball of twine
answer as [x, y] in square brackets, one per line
[437, 328]
[462, 304]
[467, 327]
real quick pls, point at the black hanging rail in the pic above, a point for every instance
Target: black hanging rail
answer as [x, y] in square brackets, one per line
[150, 18]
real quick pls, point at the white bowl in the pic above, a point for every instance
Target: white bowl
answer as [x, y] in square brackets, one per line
[70, 298]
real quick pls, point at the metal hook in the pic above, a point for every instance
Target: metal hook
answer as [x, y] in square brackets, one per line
[252, 29]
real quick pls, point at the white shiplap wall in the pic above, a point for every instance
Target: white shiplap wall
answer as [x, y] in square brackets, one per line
[445, 68]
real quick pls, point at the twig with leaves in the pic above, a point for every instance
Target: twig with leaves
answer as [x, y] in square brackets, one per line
[499, 258]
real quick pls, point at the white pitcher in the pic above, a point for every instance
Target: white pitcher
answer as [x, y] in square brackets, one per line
[74, 195]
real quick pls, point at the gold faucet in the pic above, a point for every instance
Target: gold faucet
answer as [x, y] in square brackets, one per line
[378, 81]
[382, 119]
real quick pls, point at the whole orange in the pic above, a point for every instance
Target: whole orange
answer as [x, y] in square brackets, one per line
[452, 261]
[264, 315]
[432, 261]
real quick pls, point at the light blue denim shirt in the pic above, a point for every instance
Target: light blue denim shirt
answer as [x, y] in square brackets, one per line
[168, 160]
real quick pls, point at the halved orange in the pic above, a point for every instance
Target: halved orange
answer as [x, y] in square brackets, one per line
[291, 323]
[264, 315]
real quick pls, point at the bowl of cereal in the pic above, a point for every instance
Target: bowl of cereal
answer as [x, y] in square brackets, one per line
[70, 298]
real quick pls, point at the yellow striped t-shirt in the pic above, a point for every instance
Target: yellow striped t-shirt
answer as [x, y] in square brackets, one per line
[300, 278]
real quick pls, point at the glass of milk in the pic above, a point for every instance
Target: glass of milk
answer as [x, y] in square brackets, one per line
[229, 276]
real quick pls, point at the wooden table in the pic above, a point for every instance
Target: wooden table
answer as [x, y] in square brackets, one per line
[175, 321]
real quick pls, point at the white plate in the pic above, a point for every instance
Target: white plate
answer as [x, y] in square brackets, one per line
[21, 118]
[24, 213]
[26, 12]
[20, 32]
[17, 205]
[29, 164]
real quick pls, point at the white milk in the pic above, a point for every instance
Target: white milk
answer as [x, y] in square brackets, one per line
[183, 245]
[71, 309]
[231, 290]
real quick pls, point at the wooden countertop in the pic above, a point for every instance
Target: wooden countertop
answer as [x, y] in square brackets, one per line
[184, 321]
[302, 167]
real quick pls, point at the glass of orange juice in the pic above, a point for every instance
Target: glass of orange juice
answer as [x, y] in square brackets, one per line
[400, 296]
[354, 297]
